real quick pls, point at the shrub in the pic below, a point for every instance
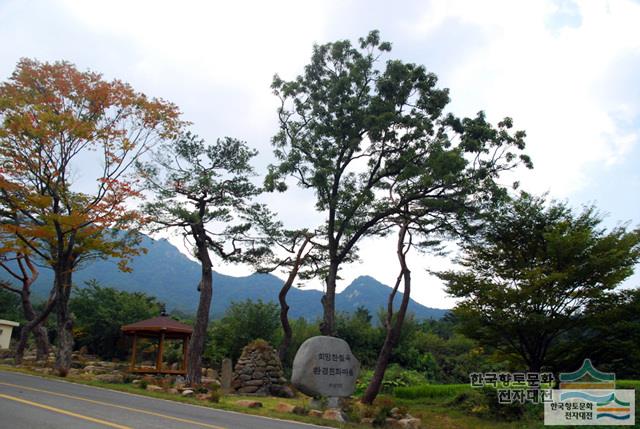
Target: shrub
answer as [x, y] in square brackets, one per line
[395, 376]
[382, 410]
[214, 392]
[484, 403]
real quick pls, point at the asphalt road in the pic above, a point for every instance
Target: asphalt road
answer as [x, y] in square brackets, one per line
[28, 402]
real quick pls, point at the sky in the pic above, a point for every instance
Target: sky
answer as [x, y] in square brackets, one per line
[565, 71]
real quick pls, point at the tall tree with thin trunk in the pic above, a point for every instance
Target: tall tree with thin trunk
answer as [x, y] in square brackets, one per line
[461, 183]
[205, 191]
[348, 127]
[299, 255]
[58, 124]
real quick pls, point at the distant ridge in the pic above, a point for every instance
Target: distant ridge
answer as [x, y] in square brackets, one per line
[172, 277]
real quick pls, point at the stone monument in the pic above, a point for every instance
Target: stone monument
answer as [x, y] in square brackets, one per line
[227, 373]
[325, 366]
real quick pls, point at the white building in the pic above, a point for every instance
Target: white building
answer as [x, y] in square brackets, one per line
[6, 327]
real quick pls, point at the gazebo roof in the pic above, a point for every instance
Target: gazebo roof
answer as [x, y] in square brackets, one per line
[158, 324]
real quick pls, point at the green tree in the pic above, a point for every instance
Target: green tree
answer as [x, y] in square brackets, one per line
[301, 330]
[205, 191]
[296, 252]
[531, 271]
[10, 306]
[612, 335]
[363, 338]
[101, 311]
[350, 129]
[242, 323]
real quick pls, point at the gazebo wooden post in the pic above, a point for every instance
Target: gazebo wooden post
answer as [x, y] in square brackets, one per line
[133, 352]
[160, 353]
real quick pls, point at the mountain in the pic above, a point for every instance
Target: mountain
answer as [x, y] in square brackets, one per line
[370, 293]
[172, 277]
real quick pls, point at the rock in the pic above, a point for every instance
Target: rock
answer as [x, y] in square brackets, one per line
[283, 407]
[136, 382]
[249, 404]
[281, 391]
[368, 421]
[254, 383]
[392, 423]
[154, 388]
[91, 368]
[411, 423]
[187, 392]
[325, 366]
[110, 378]
[248, 389]
[334, 414]
[315, 413]
[202, 396]
[173, 391]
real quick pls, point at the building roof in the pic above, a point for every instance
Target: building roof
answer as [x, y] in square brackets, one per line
[8, 323]
[158, 324]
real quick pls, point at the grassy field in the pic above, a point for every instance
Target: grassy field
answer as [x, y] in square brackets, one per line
[455, 406]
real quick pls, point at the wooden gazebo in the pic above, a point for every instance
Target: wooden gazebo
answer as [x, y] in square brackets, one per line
[161, 328]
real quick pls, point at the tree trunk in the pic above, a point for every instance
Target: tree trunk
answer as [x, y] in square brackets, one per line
[393, 329]
[34, 324]
[328, 325]
[196, 346]
[284, 307]
[27, 273]
[63, 319]
[39, 331]
[284, 321]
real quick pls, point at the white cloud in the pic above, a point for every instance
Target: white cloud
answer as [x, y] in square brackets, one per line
[554, 66]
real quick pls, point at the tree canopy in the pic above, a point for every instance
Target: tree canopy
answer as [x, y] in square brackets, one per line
[532, 270]
[54, 119]
[205, 190]
[351, 128]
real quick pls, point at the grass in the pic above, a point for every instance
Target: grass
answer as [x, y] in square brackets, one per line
[628, 384]
[430, 391]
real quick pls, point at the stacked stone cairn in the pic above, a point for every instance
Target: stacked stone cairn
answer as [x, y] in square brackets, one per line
[259, 372]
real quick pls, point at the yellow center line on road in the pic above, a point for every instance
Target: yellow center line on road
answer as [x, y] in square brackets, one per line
[65, 412]
[122, 407]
